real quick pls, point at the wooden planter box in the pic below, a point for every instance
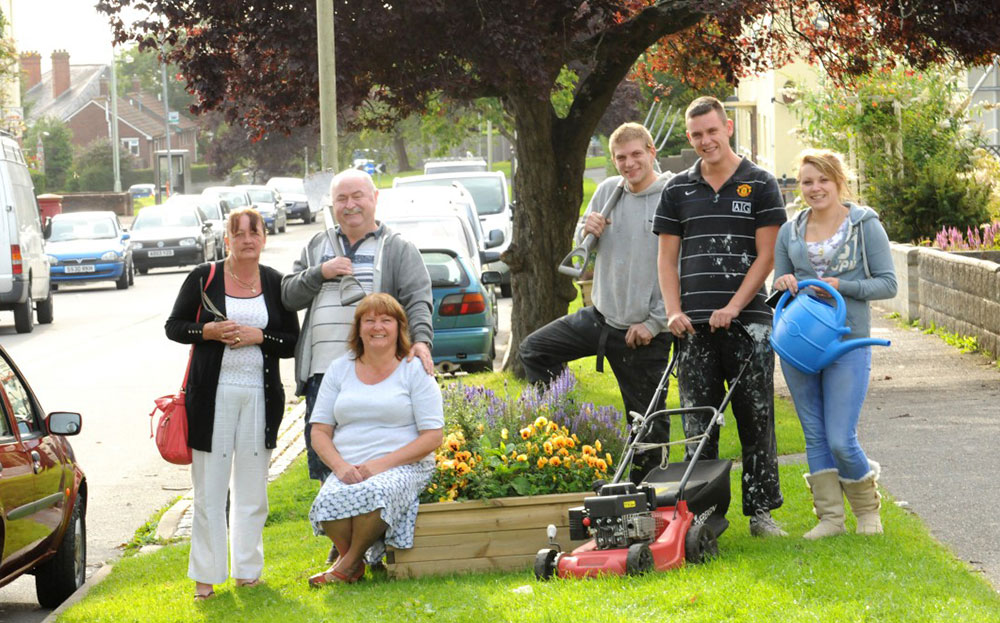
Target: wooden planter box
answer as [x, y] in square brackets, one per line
[502, 534]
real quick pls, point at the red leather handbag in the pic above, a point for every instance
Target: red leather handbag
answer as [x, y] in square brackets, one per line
[172, 428]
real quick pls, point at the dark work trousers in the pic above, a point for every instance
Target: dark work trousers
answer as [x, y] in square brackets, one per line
[317, 468]
[706, 364]
[545, 352]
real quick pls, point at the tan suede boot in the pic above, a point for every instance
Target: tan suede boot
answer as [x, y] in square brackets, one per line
[865, 500]
[828, 503]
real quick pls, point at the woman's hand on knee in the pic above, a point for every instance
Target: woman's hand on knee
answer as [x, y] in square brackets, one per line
[348, 474]
[372, 467]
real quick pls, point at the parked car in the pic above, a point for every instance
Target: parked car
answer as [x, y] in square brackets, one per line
[215, 211]
[453, 165]
[465, 313]
[171, 235]
[24, 268]
[269, 204]
[141, 191]
[492, 198]
[235, 198]
[43, 492]
[293, 192]
[89, 246]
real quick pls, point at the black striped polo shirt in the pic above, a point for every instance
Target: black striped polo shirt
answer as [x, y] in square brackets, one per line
[718, 235]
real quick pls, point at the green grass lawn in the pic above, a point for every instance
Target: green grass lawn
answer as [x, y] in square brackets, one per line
[902, 576]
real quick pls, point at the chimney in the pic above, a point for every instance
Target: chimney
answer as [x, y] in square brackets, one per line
[60, 72]
[136, 85]
[103, 82]
[31, 69]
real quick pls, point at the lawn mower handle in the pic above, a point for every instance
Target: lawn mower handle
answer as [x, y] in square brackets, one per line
[582, 252]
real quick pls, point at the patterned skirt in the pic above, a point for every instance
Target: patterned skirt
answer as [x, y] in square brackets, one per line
[394, 492]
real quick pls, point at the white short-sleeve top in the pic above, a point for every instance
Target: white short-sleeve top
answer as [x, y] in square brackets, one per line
[371, 421]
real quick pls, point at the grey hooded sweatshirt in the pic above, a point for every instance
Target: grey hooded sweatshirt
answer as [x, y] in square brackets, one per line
[862, 263]
[626, 290]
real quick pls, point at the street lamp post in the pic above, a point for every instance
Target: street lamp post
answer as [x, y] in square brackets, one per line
[327, 84]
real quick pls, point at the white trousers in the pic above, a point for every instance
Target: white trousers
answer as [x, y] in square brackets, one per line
[237, 450]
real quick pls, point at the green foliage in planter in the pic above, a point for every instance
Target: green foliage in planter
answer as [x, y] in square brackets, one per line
[916, 150]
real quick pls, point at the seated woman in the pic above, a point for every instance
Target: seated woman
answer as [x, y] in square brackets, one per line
[376, 423]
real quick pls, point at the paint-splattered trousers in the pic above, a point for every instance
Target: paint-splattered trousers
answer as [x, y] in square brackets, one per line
[638, 371]
[706, 364]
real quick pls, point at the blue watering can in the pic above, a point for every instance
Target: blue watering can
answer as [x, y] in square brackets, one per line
[806, 333]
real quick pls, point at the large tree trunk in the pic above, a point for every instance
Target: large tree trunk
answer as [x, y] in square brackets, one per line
[402, 160]
[549, 189]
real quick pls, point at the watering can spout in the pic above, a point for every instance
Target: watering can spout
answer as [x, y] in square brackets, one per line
[836, 350]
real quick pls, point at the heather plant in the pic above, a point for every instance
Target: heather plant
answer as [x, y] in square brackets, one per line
[983, 238]
[544, 441]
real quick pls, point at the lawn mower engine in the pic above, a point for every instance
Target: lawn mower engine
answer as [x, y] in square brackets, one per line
[620, 515]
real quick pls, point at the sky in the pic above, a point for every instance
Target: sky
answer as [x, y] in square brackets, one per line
[72, 25]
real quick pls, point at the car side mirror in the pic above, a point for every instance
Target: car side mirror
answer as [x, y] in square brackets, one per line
[207, 227]
[126, 235]
[47, 228]
[495, 239]
[64, 422]
[491, 277]
[488, 257]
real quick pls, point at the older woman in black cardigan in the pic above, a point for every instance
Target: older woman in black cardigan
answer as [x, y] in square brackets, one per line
[235, 400]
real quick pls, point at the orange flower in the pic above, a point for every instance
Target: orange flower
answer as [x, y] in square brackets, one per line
[522, 458]
[589, 450]
[601, 465]
[555, 461]
[465, 455]
[526, 432]
[563, 452]
[553, 427]
[462, 468]
[542, 462]
[547, 446]
[453, 444]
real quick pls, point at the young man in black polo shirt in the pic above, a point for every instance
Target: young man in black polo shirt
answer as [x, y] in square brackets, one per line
[721, 218]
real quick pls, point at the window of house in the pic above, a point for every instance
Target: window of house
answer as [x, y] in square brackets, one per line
[132, 145]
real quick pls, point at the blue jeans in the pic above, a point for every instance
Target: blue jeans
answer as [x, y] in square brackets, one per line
[829, 406]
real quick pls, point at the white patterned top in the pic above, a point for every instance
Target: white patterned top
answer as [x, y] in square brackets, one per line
[244, 366]
[821, 253]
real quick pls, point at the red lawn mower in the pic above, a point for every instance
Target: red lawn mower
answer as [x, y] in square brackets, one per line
[675, 514]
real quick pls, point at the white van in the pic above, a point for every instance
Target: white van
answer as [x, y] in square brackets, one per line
[492, 197]
[24, 267]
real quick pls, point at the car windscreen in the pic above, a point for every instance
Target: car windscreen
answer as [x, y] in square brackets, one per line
[455, 168]
[64, 229]
[444, 269]
[424, 229]
[151, 219]
[487, 192]
[289, 186]
[235, 200]
[260, 196]
[211, 210]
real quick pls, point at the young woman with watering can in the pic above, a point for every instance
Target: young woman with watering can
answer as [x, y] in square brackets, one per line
[842, 248]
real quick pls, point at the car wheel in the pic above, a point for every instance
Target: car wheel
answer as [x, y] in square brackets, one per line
[54, 287]
[58, 578]
[273, 229]
[122, 282]
[284, 226]
[131, 274]
[142, 270]
[43, 309]
[24, 317]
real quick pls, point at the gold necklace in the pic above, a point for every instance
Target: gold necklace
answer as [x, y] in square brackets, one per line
[249, 285]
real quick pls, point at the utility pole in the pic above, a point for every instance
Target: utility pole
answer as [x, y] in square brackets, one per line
[327, 85]
[166, 121]
[113, 99]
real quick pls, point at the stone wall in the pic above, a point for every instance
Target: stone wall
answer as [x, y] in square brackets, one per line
[119, 203]
[954, 291]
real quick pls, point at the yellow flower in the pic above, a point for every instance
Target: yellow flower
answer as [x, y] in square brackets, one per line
[601, 465]
[503, 434]
[523, 458]
[570, 442]
[462, 468]
[472, 462]
[555, 461]
[597, 445]
[526, 432]
[547, 446]
[563, 452]
[448, 464]
[464, 455]
[503, 457]
[453, 444]
[444, 498]
[541, 422]
[553, 427]
[607, 457]
[542, 462]
[452, 494]
[432, 487]
[588, 450]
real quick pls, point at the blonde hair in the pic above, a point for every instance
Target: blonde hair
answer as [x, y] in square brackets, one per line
[830, 164]
[380, 303]
[629, 132]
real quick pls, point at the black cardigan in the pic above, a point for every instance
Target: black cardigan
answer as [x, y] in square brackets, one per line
[280, 336]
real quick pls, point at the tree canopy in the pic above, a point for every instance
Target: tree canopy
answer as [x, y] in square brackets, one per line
[256, 62]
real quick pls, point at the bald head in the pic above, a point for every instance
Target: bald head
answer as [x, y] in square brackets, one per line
[353, 194]
[356, 175]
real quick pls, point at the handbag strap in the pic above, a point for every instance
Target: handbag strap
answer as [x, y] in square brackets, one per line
[197, 318]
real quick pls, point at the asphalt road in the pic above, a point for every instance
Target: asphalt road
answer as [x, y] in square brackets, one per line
[106, 356]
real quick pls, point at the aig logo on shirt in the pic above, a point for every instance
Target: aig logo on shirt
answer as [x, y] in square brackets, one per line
[741, 207]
